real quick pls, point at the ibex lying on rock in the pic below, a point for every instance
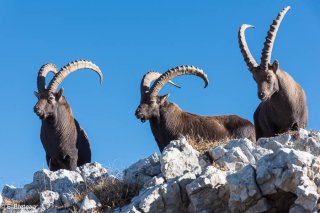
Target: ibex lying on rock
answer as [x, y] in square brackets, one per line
[65, 142]
[168, 122]
[283, 104]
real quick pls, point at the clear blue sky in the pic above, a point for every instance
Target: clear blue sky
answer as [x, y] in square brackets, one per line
[126, 39]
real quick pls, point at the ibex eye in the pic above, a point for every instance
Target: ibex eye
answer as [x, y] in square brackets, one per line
[268, 78]
[50, 99]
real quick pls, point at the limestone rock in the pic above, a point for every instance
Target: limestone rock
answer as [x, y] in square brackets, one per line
[90, 202]
[142, 171]
[92, 173]
[49, 199]
[290, 171]
[179, 158]
[59, 181]
[244, 192]
[237, 154]
[209, 192]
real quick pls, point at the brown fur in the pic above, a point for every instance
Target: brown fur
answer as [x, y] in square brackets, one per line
[64, 141]
[168, 122]
[285, 107]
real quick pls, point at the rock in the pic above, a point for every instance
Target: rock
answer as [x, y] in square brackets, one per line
[127, 209]
[142, 171]
[155, 181]
[236, 154]
[165, 197]
[179, 158]
[303, 140]
[26, 193]
[59, 181]
[290, 171]
[298, 209]
[92, 173]
[278, 174]
[8, 191]
[209, 192]
[90, 202]
[261, 206]
[244, 192]
[68, 199]
[49, 199]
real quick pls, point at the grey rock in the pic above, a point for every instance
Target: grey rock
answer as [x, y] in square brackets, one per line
[68, 199]
[291, 171]
[92, 173]
[179, 158]
[234, 155]
[244, 192]
[298, 209]
[49, 199]
[261, 206]
[90, 202]
[142, 171]
[155, 181]
[28, 192]
[59, 181]
[209, 192]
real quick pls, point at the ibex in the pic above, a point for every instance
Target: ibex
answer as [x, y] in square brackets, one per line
[65, 142]
[168, 122]
[283, 104]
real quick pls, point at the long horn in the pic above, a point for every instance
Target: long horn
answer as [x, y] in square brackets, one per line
[146, 82]
[41, 79]
[271, 36]
[170, 74]
[248, 58]
[70, 68]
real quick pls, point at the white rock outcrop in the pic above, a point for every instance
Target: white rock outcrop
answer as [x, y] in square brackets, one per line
[179, 158]
[90, 202]
[278, 174]
[142, 171]
[55, 189]
[49, 199]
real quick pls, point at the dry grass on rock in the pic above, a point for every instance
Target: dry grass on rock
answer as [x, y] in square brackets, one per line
[203, 145]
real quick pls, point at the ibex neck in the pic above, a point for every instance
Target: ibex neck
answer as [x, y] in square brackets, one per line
[62, 125]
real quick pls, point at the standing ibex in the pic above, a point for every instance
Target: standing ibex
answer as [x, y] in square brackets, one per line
[168, 122]
[65, 142]
[283, 104]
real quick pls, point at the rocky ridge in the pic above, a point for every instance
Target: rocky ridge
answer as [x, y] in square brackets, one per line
[278, 174]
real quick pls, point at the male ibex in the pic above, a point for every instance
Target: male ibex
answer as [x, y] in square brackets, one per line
[168, 122]
[283, 104]
[65, 142]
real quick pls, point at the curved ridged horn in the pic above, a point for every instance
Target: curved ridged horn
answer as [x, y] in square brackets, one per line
[248, 58]
[268, 44]
[41, 79]
[181, 70]
[146, 82]
[72, 67]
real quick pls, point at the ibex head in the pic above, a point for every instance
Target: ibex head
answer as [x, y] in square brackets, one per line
[151, 102]
[264, 74]
[49, 99]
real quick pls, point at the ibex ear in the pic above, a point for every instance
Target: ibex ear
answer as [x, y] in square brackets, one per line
[275, 66]
[164, 98]
[59, 94]
[36, 94]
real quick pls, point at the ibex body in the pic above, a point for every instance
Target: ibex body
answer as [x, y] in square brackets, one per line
[283, 104]
[65, 142]
[168, 122]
